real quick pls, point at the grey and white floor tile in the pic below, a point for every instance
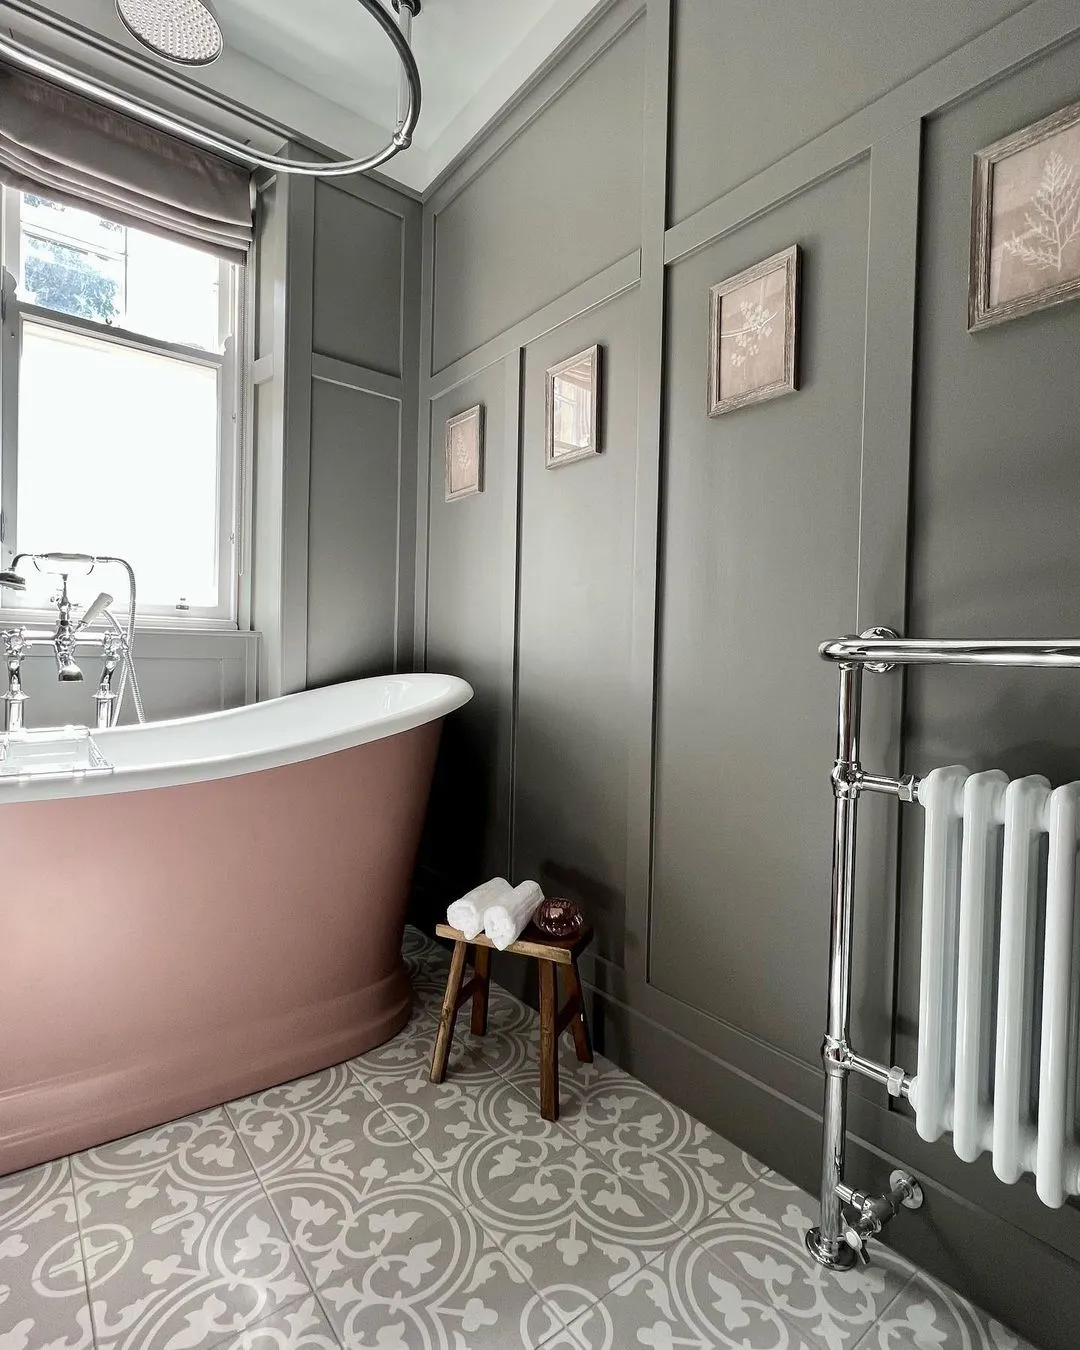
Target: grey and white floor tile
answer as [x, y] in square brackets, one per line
[687, 1298]
[366, 1207]
[189, 1284]
[576, 1228]
[163, 1175]
[43, 1296]
[759, 1236]
[927, 1315]
[446, 1284]
[297, 1326]
[479, 1135]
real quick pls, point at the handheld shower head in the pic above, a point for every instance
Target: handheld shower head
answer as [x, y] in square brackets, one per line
[95, 610]
[12, 581]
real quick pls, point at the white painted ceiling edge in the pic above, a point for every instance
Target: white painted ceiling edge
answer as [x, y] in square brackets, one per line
[251, 101]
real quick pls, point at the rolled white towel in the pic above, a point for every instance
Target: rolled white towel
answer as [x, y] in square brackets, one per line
[507, 919]
[467, 914]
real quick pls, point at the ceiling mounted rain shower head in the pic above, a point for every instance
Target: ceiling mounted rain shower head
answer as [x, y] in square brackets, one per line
[185, 32]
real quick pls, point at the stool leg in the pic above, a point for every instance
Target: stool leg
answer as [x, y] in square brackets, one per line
[579, 1025]
[448, 1014]
[478, 1025]
[549, 1041]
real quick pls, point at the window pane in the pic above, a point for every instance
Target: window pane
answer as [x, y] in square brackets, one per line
[172, 292]
[76, 262]
[72, 280]
[118, 454]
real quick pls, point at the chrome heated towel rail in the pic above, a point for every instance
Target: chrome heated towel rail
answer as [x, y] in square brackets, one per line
[947, 1092]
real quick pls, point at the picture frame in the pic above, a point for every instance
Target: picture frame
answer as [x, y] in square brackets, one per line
[1025, 221]
[572, 423]
[751, 357]
[464, 450]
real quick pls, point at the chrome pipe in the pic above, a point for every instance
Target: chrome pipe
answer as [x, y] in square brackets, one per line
[896, 1082]
[102, 91]
[826, 1243]
[1055, 652]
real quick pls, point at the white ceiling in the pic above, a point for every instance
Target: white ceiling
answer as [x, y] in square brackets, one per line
[322, 68]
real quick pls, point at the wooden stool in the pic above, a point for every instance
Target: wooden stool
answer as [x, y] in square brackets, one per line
[549, 953]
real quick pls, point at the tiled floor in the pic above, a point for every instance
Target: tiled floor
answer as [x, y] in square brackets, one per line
[363, 1207]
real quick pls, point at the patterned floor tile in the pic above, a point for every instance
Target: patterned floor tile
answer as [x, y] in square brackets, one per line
[759, 1237]
[325, 1126]
[927, 1315]
[334, 1230]
[479, 1136]
[578, 1082]
[688, 1299]
[677, 1163]
[443, 1286]
[163, 1174]
[190, 1284]
[576, 1229]
[299, 1326]
[43, 1298]
[512, 1027]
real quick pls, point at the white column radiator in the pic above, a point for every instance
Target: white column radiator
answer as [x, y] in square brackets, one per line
[1000, 978]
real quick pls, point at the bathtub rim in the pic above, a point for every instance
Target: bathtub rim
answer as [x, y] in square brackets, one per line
[443, 695]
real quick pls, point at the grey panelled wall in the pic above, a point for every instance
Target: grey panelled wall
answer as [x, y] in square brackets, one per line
[825, 60]
[763, 561]
[576, 608]
[538, 200]
[653, 730]
[335, 403]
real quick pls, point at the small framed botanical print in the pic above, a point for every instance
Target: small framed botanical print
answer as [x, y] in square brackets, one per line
[465, 454]
[573, 408]
[753, 321]
[1025, 221]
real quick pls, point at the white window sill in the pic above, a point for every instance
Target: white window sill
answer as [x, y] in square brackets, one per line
[144, 623]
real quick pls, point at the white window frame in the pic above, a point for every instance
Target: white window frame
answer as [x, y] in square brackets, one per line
[14, 313]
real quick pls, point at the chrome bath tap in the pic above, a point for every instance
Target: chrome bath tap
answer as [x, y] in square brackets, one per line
[114, 642]
[67, 669]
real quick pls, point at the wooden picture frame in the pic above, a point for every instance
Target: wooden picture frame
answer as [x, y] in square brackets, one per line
[464, 450]
[751, 358]
[1025, 221]
[572, 423]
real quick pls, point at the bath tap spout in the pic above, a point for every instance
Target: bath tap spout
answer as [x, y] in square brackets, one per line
[67, 669]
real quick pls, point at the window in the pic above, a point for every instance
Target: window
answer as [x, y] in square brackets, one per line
[119, 404]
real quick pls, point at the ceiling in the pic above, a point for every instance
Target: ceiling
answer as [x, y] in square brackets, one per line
[322, 68]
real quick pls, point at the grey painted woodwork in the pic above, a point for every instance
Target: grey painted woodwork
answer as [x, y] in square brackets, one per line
[763, 561]
[825, 60]
[180, 674]
[470, 631]
[352, 555]
[359, 260]
[574, 613]
[653, 729]
[540, 199]
[334, 526]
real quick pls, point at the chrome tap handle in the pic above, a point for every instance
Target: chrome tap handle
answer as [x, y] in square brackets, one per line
[857, 1243]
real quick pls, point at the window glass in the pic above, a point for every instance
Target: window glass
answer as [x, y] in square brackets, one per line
[124, 463]
[76, 262]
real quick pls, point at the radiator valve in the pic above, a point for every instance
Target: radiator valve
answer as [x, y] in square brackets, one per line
[875, 1211]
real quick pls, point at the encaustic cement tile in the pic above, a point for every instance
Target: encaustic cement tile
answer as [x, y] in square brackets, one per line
[43, 1298]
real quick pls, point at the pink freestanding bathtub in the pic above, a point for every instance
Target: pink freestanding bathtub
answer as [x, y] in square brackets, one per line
[221, 912]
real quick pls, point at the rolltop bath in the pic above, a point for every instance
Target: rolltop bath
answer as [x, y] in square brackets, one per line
[221, 910]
